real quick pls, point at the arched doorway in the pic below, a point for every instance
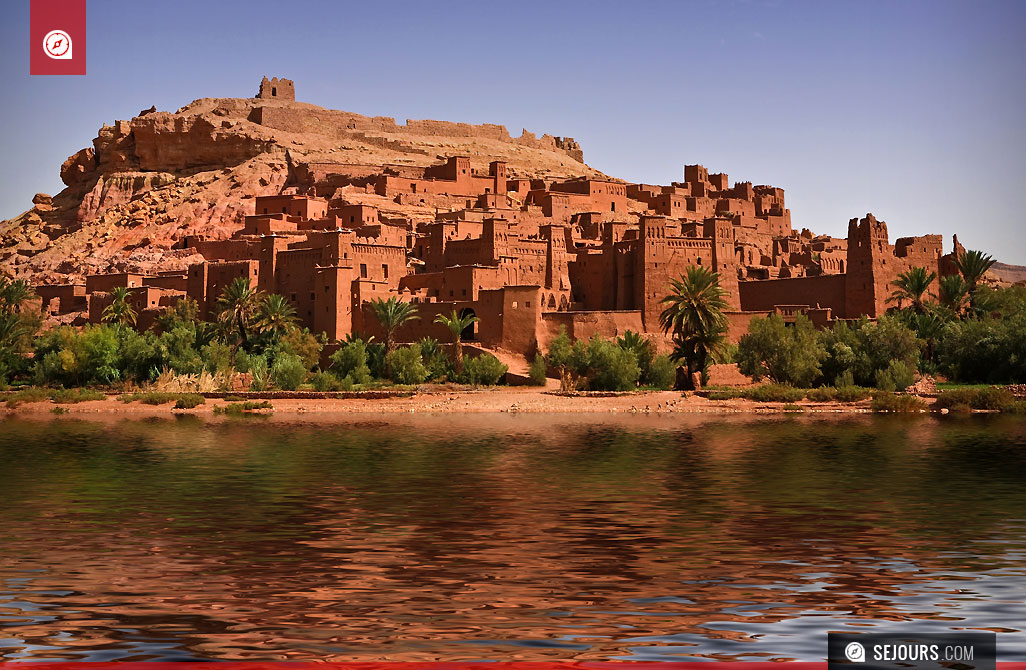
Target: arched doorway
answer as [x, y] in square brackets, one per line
[552, 301]
[469, 333]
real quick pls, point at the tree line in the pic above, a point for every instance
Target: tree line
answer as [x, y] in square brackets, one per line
[251, 332]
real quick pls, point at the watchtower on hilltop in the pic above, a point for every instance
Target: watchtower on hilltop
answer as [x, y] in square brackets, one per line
[277, 89]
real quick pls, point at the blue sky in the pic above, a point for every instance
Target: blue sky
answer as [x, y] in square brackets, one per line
[911, 110]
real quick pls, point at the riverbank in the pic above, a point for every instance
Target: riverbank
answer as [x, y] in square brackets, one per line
[461, 400]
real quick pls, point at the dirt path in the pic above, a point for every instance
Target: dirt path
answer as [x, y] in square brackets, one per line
[491, 400]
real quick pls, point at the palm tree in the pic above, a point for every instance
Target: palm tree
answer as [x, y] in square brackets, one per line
[973, 265]
[457, 323]
[952, 292]
[928, 327]
[13, 294]
[697, 351]
[694, 314]
[12, 329]
[640, 346]
[14, 335]
[120, 310]
[275, 316]
[631, 341]
[392, 314]
[912, 286]
[236, 307]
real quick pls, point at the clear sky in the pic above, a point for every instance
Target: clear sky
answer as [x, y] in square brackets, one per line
[911, 110]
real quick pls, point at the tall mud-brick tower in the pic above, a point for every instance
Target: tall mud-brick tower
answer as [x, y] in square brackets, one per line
[869, 254]
[277, 89]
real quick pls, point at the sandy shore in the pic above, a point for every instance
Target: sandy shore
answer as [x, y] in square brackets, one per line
[492, 400]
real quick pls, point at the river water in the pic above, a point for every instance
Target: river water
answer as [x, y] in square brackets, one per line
[511, 537]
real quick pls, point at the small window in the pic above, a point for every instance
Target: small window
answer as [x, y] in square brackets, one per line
[363, 270]
[384, 270]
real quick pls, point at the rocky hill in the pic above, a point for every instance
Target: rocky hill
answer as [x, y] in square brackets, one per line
[147, 183]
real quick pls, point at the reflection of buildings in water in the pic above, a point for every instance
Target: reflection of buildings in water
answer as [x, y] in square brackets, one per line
[532, 541]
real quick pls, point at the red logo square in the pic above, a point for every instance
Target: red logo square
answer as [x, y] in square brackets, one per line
[57, 37]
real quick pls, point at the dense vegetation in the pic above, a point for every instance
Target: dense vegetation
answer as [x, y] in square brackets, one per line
[250, 333]
[599, 364]
[969, 333]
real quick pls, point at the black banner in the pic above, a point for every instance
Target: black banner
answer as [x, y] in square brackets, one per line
[903, 651]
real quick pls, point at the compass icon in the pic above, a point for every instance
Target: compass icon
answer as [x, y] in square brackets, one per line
[57, 44]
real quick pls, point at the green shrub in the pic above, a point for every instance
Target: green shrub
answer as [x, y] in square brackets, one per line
[956, 400]
[243, 361]
[726, 394]
[885, 401]
[994, 398]
[216, 356]
[138, 355]
[189, 400]
[821, 394]
[786, 354]
[538, 370]
[376, 361]
[30, 394]
[558, 355]
[774, 393]
[298, 342]
[261, 375]
[239, 408]
[71, 358]
[176, 348]
[288, 372]
[407, 366]
[102, 349]
[434, 358]
[325, 381]
[643, 352]
[59, 410]
[351, 360]
[611, 367]
[662, 373]
[838, 394]
[897, 376]
[962, 400]
[845, 379]
[865, 348]
[851, 393]
[66, 396]
[151, 397]
[791, 407]
[987, 349]
[485, 370]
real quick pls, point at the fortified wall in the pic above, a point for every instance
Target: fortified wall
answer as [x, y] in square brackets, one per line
[334, 123]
